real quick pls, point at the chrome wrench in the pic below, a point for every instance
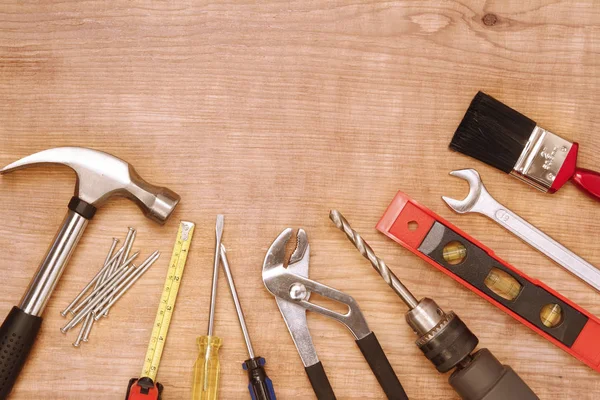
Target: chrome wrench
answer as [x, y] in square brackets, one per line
[480, 201]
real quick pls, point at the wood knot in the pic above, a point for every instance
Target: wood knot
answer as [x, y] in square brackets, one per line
[490, 19]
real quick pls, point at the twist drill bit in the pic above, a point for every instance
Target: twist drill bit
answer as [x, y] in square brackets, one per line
[377, 263]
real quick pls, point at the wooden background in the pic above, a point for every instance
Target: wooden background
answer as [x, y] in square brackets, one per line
[272, 112]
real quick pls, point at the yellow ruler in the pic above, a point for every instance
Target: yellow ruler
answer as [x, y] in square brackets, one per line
[167, 300]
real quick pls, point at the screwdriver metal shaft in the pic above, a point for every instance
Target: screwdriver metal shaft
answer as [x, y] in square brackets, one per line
[215, 278]
[377, 263]
[260, 385]
[236, 301]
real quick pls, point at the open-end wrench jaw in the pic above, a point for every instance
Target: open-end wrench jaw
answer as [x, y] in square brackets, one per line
[476, 191]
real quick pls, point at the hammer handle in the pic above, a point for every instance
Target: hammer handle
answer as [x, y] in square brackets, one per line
[52, 266]
[17, 335]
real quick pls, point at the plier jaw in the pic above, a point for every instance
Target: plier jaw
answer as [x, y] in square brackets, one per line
[274, 272]
[274, 266]
[291, 284]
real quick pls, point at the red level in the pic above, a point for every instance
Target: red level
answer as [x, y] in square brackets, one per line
[424, 233]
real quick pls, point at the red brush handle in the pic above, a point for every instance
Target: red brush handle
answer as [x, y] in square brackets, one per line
[588, 181]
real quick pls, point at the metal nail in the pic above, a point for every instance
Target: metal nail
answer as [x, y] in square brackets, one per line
[94, 280]
[125, 245]
[89, 321]
[88, 329]
[120, 275]
[104, 278]
[77, 341]
[140, 271]
[128, 261]
[132, 233]
[130, 244]
[102, 285]
[132, 274]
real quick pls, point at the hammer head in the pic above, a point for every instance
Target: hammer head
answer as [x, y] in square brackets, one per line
[101, 176]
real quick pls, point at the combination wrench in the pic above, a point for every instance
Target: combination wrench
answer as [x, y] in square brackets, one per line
[480, 201]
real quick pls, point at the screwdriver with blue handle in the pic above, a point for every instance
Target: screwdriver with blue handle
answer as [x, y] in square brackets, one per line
[260, 386]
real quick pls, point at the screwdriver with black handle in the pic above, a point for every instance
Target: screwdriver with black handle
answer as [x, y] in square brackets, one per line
[259, 386]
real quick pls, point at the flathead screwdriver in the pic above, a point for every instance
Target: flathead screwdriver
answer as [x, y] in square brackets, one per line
[207, 368]
[259, 386]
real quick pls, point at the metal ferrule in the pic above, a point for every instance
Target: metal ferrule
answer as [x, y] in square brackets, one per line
[541, 159]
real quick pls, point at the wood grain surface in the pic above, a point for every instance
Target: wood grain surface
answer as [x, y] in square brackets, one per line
[272, 112]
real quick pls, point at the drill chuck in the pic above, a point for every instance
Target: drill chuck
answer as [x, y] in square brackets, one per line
[447, 342]
[443, 338]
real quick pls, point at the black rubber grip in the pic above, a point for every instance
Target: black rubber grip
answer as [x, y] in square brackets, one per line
[381, 367]
[17, 335]
[320, 383]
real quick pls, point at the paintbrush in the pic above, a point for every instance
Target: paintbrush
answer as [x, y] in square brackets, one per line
[496, 134]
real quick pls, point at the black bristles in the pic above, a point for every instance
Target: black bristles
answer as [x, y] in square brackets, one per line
[492, 132]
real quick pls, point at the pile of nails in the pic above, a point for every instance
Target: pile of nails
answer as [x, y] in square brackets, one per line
[115, 277]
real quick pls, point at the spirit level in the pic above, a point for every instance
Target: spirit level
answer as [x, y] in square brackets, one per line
[476, 267]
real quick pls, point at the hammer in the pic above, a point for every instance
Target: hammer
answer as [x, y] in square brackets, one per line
[100, 176]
